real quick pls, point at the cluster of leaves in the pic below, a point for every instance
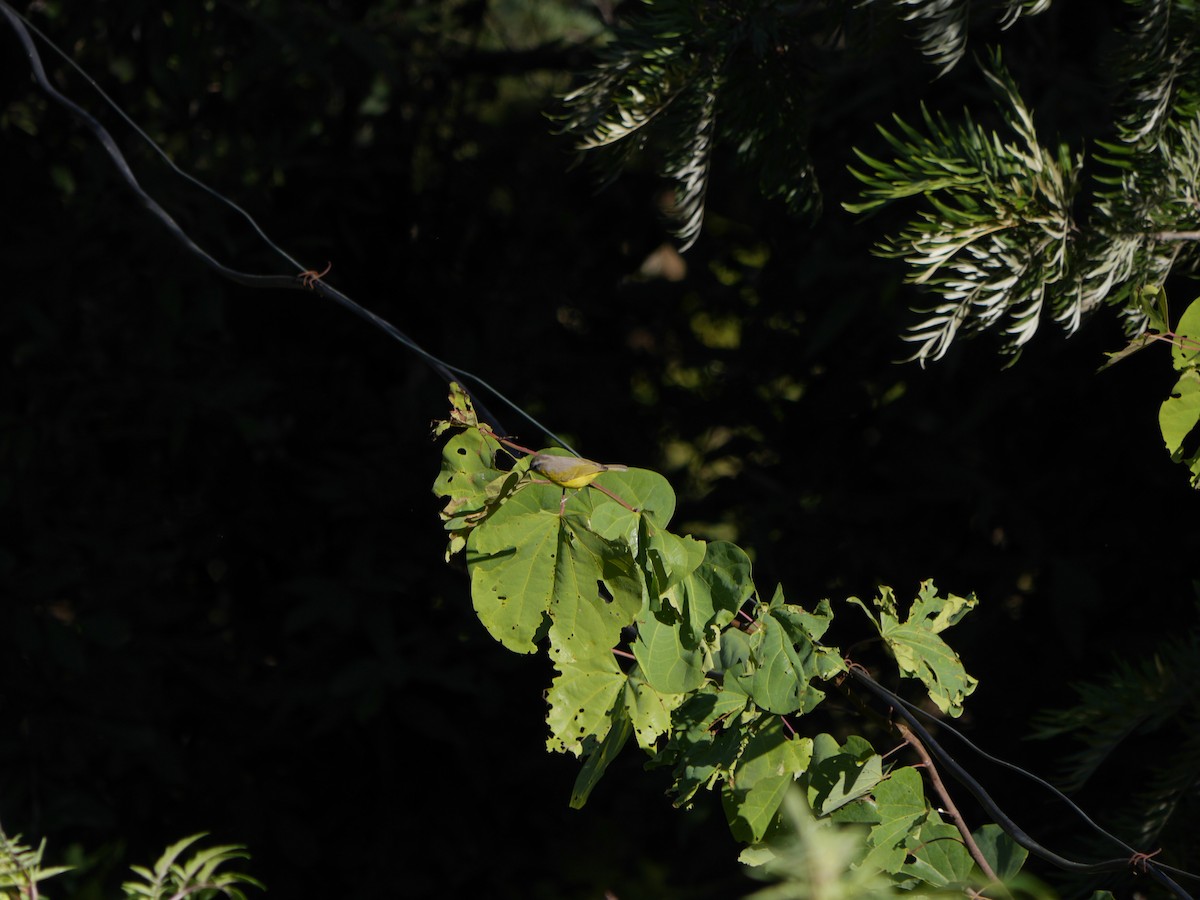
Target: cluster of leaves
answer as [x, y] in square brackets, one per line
[812, 862]
[202, 876]
[650, 639]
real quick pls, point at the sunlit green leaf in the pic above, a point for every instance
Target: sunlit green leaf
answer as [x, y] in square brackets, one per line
[782, 664]
[581, 699]
[918, 649]
[649, 710]
[666, 655]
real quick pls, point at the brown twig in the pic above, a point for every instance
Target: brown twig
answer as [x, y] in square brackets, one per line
[951, 810]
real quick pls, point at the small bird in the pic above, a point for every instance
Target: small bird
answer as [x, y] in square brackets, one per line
[570, 471]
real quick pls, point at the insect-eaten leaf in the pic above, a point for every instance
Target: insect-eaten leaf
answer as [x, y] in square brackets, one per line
[918, 649]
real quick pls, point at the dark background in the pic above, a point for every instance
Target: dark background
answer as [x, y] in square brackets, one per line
[224, 604]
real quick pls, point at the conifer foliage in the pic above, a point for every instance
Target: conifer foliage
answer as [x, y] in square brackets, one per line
[1009, 228]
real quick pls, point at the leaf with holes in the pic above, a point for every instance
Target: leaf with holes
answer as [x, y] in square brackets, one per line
[581, 700]
[916, 646]
[600, 754]
[530, 566]
[598, 590]
[471, 483]
[649, 710]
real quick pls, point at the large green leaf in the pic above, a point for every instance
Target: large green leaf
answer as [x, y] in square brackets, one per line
[728, 573]
[529, 565]
[677, 638]
[513, 561]
[597, 592]
[665, 653]
[644, 490]
[937, 855]
[708, 597]
[780, 670]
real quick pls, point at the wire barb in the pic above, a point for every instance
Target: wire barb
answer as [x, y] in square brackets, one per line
[310, 277]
